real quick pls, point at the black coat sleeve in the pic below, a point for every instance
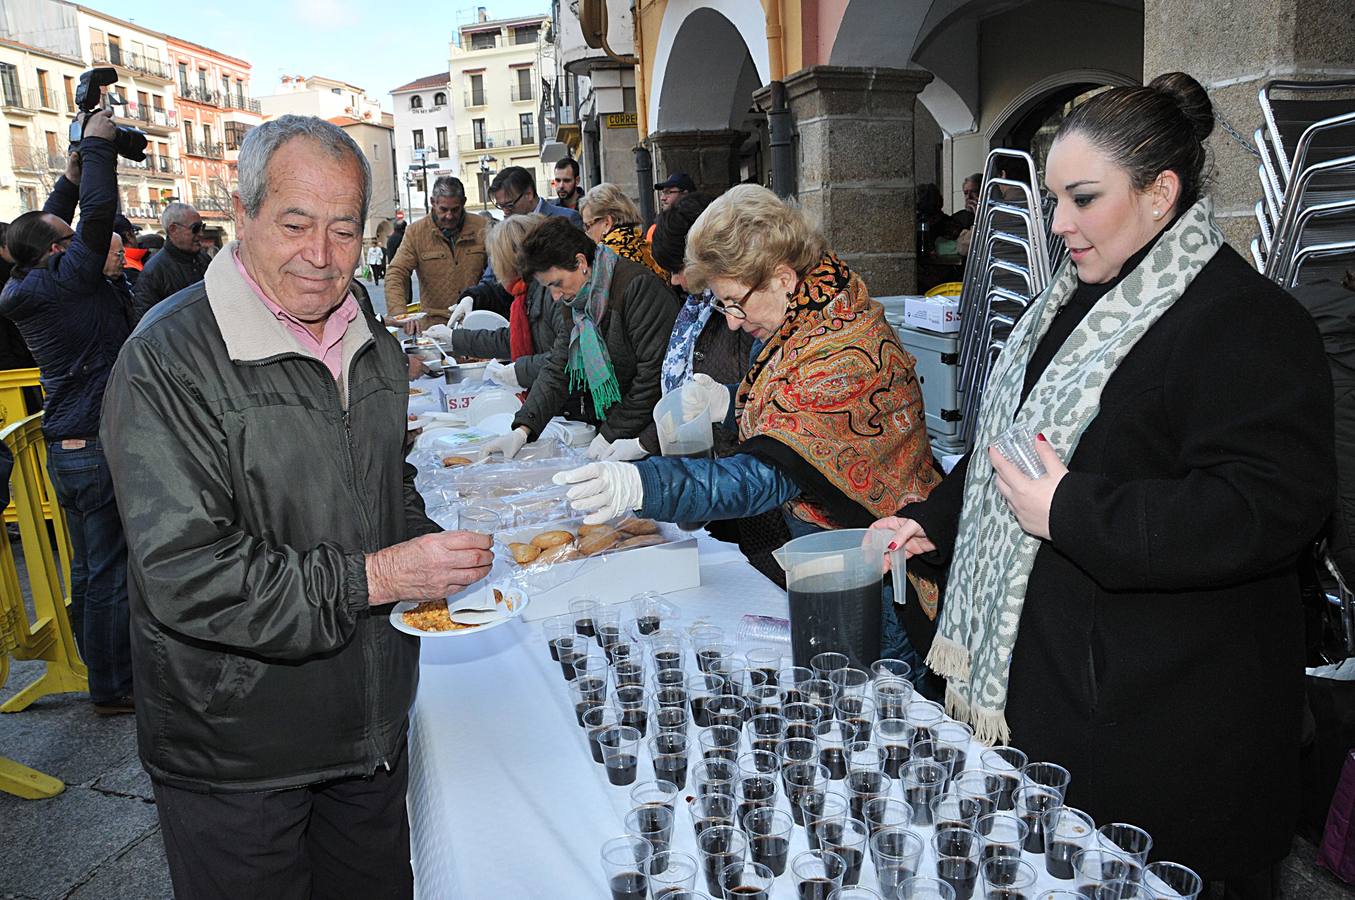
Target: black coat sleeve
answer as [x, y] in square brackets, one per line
[150, 287]
[649, 310]
[549, 390]
[484, 343]
[939, 514]
[1249, 397]
[491, 296]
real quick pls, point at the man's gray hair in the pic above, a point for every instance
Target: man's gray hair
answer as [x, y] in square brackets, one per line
[447, 186]
[175, 213]
[258, 147]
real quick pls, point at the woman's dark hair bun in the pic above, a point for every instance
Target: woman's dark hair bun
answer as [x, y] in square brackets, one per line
[1191, 98]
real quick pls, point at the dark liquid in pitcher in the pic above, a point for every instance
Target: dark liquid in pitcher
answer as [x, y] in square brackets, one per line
[824, 617]
[629, 886]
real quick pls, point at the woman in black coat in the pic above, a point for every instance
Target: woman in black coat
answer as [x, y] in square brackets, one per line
[1134, 615]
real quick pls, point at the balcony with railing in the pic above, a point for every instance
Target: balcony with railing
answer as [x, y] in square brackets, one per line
[209, 151]
[494, 140]
[237, 101]
[18, 101]
[148, 118]
[522, 93]
[136, 63]
[475, 98]
[153, 166]
[147, 211]
[213, 207]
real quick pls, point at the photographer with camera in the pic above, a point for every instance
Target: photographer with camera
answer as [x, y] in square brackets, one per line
[75, 321]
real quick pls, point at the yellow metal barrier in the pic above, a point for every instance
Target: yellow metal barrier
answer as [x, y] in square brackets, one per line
[13, 408]
[48, 636]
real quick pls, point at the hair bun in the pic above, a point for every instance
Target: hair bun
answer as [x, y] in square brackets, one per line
[1192, 99]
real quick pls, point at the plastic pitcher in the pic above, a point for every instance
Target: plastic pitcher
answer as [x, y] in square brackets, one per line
[679, 437]
[835, 586]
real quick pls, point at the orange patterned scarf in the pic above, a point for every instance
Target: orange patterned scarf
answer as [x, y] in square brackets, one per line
[834, 386]
[629, 244]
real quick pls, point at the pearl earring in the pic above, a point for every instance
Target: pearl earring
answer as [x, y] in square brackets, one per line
[1157, 214]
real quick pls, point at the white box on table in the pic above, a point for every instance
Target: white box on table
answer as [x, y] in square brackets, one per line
[939, 314]
[612, 577]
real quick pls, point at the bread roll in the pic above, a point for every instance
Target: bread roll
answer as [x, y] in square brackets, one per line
[638, 526]
[558, 553]
[450, 461]
[642, 540]
[524, 553]
[547, 539]
[598, 541]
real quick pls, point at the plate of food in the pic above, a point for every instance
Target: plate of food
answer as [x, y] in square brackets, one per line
[495, 606]
[407, 317]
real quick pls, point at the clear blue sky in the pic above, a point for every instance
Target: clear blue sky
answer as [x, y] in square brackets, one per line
[375, 44]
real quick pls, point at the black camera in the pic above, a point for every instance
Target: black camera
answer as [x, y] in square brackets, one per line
[89, 96]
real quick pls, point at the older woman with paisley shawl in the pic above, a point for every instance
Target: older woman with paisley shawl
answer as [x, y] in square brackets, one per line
[1134, 614]
[829, 414]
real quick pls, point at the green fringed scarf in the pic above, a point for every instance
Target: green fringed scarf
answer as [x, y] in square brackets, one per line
[993, 556]
[589, 365]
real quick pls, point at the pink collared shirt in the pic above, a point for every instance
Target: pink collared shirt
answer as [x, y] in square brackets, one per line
[329, 347]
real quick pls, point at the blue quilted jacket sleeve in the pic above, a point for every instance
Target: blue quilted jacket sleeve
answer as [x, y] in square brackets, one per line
[691, 490]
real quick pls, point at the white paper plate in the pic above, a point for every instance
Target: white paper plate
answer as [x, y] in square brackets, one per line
[490, 403]
[520, 602]
[408, 317]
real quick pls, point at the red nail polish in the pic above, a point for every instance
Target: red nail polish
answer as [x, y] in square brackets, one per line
[1041, 437]
[893, 545]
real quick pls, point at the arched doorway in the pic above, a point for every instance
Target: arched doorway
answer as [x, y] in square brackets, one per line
[1031, 120]
[708, 126]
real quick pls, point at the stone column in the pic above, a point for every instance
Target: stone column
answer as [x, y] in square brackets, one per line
[1233, 47]
[710, 157]
[855, 133]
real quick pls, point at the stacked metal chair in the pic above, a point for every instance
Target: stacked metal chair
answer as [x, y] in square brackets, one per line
[1306, 214]
[1009, 264]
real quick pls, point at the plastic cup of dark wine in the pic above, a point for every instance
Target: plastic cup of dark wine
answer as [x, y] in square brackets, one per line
[595, 722]
[849, 839]
[833, 736]
[950, 810]
[1004, 763]
[799, 779]
[727, 709]
[1030, 803]
[886, 812]
[864, 785]
[766, 660]
[671, 872]
[719, 847]
[895, 738]
[555, 628]
[923, 781]
[889, 667]
[822, 806]
[979, 786]
[715, 775]
[865, 756]
[747, 881]
[790, 681]
[711, 809]
[1178, 880]
[763, 700]
[668, 753]
[936, 752]
[755, 787]
[670, 678]
[607, 625]
[584, 610]
[666, 650]
[653, 822]
[891, 696]
[817, 873]
[1047, 774]
[634, 703]
[587, 692]
[591, 662]
[659, 791]
[625, 863]
[701, 689]
[719, 741]
[671, 718]
[571, 650]
[1102, 874]
[765, 731]
[714, 656]
[923, 887]
[1066, 831]
[821, 692]
[768, 830]
[1004, 834]
[649, 610]
[850, 681]
[896, 852]
[857, 711]
[620, 753]
[923, 715]
[957, 858]
[1007, 878]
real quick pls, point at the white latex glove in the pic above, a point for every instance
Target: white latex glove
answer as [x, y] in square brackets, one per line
[440, 333]
[608, 489]
[711, 400]
[599, 448]
[510, 445]
[505, 374]
[458, 312]
[625, 450]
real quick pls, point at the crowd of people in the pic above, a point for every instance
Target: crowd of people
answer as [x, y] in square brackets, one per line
[226, 437]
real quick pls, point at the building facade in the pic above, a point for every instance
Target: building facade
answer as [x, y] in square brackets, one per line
[215, 112]
[425, 139]
[37, 102]
[497, 77]
[882, 95]
[377, 140]
[316, 95]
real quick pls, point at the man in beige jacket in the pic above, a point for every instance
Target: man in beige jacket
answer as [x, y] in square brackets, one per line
[447, 249]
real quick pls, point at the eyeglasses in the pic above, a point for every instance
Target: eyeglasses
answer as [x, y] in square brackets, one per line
[507, 206]
[733, 310]
[196, 227]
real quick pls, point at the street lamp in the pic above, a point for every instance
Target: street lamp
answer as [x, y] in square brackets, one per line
[485, 160]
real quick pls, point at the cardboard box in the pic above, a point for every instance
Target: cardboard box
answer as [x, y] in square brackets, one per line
[613, 577]
[939, 314]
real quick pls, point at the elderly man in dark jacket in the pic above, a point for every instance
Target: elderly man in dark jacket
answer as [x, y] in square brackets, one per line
[256, 426]
[182, 261]
[75, 320]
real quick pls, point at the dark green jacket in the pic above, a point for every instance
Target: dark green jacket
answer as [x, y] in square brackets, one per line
[250, 492]
[636, 326]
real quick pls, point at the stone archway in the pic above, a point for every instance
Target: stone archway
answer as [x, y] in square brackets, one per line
[704, 125]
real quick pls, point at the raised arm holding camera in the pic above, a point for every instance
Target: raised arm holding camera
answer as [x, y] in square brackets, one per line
[75, 321]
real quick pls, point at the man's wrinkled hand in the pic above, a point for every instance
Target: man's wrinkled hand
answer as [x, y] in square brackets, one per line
[428, 567]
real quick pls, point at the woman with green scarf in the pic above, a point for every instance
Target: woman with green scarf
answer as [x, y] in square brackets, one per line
[1134, 614]
[607, 360]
